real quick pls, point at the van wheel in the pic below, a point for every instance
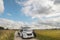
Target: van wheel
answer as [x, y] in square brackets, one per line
[34, 34]
[18, 34]
[22, 37]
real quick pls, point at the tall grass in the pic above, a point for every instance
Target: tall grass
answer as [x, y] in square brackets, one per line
[48, 34]
[7, 35]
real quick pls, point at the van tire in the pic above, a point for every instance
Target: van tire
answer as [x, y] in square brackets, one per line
[18, 34]
[22, 36]
[34, 34]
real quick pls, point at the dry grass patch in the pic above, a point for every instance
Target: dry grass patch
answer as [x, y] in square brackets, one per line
[7, 34]
[48, 34]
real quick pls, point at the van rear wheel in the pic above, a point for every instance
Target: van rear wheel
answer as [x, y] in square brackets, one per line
[18, 34]
[34, 34]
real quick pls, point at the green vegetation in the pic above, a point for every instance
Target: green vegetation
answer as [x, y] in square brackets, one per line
[48, 34]
[7, 34]
[1, 28]
[41, 34]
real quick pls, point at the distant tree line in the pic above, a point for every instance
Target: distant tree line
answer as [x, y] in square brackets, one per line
[1, 28]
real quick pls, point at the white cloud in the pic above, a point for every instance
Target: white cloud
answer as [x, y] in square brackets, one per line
[1, 6]
[6, 23]
[41, 24]
[9, 14]
[47, 11]
[37, 8]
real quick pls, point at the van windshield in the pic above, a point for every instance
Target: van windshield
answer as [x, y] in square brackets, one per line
[27, 30]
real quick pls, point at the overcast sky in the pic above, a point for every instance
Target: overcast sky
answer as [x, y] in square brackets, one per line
[37, 13]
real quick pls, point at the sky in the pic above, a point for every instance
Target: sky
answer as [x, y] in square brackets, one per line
[12, 11]
[34, 13]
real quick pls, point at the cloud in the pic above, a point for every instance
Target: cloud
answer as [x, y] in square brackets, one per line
[6, 23]
[41, 24]
[9, 14]
[57, 2]
[50, 22]
[1, 6]
[37, 8]
[44, 25]
[57, 5]
[47, 12]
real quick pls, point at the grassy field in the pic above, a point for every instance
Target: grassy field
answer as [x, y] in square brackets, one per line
[41, 34]
[7, 34]
[48, 34]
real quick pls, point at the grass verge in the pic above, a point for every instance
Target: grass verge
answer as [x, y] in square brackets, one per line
[48, 34]
[7, 34]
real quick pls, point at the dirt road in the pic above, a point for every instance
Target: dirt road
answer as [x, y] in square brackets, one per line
[16, 37]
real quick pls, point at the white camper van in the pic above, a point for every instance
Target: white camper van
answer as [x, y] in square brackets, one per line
[26, 32]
